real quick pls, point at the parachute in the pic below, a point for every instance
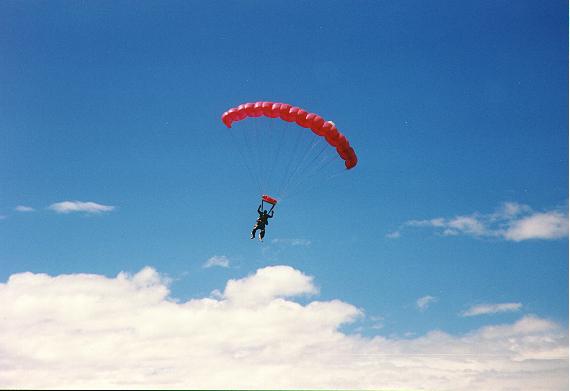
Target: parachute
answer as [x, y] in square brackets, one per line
[268, 199]
[289, 113]
[287, 148]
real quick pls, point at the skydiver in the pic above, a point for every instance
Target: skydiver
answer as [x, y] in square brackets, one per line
[261, 223]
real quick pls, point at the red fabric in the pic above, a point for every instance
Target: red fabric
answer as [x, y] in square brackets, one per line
[290, 113]
[268, 199]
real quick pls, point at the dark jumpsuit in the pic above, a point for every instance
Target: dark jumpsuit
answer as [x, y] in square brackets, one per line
[261, 223]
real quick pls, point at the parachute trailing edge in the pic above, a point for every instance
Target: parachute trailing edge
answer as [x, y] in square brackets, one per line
[303, 118]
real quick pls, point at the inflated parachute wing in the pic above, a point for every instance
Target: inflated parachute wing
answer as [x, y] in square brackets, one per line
[268, 199]
[303, 118]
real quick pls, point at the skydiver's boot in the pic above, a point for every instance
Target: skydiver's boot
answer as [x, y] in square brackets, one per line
[261, 235]
[253, 234]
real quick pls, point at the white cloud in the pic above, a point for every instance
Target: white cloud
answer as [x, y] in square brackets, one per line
[89, 331]
[550, 225]
[465, 224]
[424, 302]
[80, 206]
[23, 208]
[269, 283]
[484, 309]
[511, 209]
[217, 260]
[291, 242]
[511, 221]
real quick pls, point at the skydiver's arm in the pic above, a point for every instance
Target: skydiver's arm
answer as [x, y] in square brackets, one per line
[259, 209]
[271, 214]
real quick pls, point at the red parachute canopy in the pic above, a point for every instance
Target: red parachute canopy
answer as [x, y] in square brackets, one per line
[305, 119]
[269, 199]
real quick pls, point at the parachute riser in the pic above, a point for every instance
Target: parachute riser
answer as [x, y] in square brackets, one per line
[263, 206]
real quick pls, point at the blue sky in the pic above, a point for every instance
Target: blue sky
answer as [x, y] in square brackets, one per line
[458, 112]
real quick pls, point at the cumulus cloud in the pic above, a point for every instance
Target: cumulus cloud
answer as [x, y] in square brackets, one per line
[80, 206]
[90, 331]
[484, 309]
[24, 208]
[511, 221]
[217, 260]
[424, 302]
[549, 225]
[269, 283]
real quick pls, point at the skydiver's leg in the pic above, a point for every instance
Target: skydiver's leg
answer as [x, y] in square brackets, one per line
[261, 234]
[255, 228]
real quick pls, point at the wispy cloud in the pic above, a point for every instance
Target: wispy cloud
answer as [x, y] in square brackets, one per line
[291, 242]
[377, 322]
[91, 331]
[424, 302]
[80, 207]
[485, 309]
[217, 260]
[24, 208]
[393, 235]
[512, 221]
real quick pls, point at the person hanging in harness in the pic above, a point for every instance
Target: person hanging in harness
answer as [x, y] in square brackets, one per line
[261, 222]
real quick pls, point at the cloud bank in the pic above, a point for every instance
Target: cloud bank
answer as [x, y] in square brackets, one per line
[90, 331]
[80, 206]
[512, 221]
